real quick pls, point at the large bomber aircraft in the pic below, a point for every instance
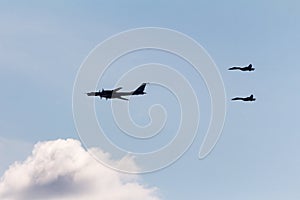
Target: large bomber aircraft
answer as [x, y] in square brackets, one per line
[115, 94]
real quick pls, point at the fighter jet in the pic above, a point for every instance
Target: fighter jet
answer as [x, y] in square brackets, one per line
[250, 98]
[248, 68]
[115, 94]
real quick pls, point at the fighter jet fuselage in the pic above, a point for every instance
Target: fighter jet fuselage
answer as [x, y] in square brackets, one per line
[250, 98]
[248, 68]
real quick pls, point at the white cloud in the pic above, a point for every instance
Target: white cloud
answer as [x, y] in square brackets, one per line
[63, 170]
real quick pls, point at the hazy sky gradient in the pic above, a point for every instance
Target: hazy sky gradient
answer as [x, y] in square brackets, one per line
[43, 44]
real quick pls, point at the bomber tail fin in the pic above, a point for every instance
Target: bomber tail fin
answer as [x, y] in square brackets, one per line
[140, 90]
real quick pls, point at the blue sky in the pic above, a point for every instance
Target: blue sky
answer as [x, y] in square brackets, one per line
[42, 46]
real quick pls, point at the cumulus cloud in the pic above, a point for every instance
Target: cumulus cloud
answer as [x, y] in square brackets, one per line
[63, 170]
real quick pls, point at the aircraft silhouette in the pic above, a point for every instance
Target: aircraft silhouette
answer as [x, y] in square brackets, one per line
[114, 94]
[248, 68]
[250, 98]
